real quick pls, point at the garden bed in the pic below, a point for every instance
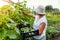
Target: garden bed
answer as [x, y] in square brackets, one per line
[57, 37]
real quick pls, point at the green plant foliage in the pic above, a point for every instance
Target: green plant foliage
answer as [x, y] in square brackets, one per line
[10, 17]
[51, 32]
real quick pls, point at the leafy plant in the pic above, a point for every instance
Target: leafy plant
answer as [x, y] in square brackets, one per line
[51, 32]
[10, 17]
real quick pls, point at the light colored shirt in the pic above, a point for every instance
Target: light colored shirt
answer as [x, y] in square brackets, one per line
[36, 26]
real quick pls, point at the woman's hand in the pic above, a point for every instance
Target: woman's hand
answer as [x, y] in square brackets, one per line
[28, 14]
[24, 12]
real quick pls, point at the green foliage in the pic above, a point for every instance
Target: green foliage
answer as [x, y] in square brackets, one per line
[2, 33]
[53, 18]
[51, 32]
[10, 17]
[48, 8]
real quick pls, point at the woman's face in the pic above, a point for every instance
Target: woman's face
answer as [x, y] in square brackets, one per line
[40, 15]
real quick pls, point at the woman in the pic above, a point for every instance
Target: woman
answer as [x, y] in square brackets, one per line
[40, 22]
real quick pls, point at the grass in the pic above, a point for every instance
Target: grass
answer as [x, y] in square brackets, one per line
[53, 18]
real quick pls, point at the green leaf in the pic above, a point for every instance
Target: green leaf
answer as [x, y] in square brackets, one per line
[2, 33]
[11, 34]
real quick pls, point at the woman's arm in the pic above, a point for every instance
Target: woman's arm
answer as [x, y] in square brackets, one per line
[25, 13]
[41, 29]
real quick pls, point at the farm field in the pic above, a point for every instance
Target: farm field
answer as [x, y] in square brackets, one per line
[12, 17]
[54, 21]
[53, 18]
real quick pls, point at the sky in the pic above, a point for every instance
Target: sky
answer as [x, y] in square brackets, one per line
[35, 3]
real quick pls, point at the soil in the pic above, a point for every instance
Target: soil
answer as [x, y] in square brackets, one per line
[57, 37]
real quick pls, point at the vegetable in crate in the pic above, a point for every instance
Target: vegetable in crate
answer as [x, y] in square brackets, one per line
[29, 34]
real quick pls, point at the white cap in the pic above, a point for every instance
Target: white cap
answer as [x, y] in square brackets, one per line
[40, 9]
